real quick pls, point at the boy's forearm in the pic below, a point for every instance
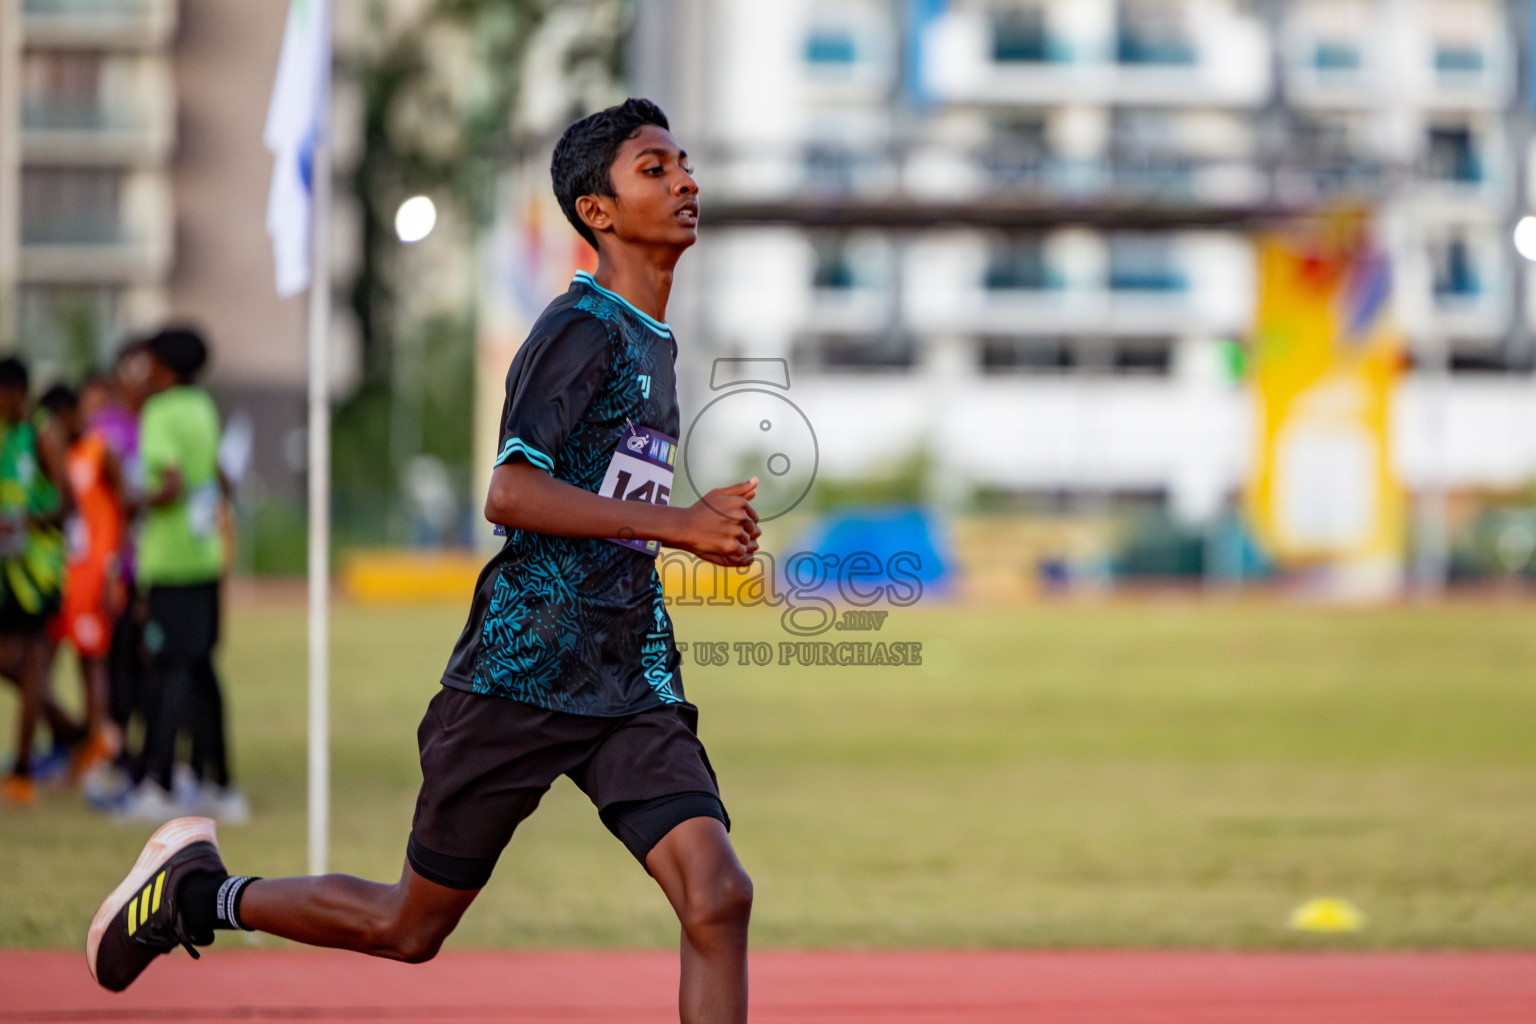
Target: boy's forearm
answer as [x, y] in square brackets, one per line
[525, 498]
[168, 491]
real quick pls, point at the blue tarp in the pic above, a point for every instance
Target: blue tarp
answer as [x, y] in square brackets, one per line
[909, 546]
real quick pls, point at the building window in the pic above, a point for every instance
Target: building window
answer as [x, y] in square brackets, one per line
[1020, 36]
[1333, 56]
[70, 206]
[1138, 264]
[1453, 156]
[1153, 32]
[1458, 60]
[828, 46]
[846, 262]
[62, 90]
[1148, 154]
[834, 268]
[1004, 356]
[67, 329]
[1018, 264]
[1143, 357]
[855, 352]
[1455, 272]
[1017, 149]
[831, 166]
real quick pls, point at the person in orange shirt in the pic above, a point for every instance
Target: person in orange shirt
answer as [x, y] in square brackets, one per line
[94, 536]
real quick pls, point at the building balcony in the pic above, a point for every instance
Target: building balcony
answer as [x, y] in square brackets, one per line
[117, 261]
[91, 227]
[98, 24]
[1472, 315]
[964, 58]
[857, 310]
[1139, 433]
[96, 135]
[1440, 79]
[944, 176]
[1118, 312]
[1075, 283]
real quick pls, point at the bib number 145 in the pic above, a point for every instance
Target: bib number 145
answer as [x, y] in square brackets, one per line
[641, 470]
[648, 490]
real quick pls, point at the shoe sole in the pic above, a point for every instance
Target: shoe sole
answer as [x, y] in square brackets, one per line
[169, 838]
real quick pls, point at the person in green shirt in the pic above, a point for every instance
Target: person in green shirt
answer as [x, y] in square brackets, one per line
[32, 509]
[180, 561]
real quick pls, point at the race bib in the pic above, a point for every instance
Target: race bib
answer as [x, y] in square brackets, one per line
[641, 470]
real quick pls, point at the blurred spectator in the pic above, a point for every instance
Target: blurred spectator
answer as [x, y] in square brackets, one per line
[93, 536]
[180, 558]
[112, 411]
[32, 506]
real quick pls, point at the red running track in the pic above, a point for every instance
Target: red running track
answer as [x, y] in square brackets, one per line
[792, 988]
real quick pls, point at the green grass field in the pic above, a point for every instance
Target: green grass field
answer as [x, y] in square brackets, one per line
[1149, 774]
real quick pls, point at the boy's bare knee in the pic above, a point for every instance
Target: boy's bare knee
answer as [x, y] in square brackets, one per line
[411, 942]
[725, 903]
[418, 949]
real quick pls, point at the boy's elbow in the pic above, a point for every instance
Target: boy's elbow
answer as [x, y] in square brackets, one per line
[501, 504]
[495, 508]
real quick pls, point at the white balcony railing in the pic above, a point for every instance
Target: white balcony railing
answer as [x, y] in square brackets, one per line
[98, 24]
[130, 243]
[133, 128]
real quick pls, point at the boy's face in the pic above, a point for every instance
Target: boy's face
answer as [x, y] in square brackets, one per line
[160, 377]
[655, 200]
[69, 419]
[133, 378]
[93, 397]
[13, 404]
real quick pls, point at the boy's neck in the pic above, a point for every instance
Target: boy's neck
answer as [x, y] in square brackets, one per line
[644, 279]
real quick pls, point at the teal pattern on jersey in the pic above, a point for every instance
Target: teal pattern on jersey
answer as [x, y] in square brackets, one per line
[578, 624]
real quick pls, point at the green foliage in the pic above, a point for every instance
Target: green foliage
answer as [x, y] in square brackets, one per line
[440, 103]
[902, 482]
[81, 333]
[275, 538]
[441, 95]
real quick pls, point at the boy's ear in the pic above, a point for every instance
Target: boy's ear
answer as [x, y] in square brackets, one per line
[594, 212]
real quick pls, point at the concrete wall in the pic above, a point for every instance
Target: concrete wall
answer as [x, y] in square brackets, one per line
[226, 55]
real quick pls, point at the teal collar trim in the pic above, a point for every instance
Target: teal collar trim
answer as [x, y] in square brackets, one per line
[649, 321]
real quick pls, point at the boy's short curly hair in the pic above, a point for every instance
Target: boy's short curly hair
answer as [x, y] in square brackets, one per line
[181, 350]
[586, 152]
[14, 375]
[60, 399]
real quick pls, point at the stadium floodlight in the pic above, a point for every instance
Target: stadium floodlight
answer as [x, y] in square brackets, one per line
[415, 219]
[1525, 238]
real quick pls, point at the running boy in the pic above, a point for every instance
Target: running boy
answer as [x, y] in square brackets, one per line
[567, 664]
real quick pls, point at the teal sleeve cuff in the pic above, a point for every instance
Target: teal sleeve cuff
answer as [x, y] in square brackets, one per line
[516, 446]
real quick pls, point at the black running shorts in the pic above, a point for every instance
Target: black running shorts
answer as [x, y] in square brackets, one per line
[487, 761]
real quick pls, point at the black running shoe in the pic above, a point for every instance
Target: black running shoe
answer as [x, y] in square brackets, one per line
[141, 919]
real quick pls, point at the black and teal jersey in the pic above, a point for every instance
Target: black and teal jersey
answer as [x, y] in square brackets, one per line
[577, 624]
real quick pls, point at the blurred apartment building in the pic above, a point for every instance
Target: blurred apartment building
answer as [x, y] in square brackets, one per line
[1019, 234]
[133, 187]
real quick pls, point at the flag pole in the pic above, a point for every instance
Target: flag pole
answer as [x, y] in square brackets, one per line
[320, 473]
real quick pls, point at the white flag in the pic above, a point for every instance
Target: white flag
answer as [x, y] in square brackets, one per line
[293, 125]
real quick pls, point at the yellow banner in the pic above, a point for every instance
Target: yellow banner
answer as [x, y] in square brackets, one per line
[1326, 357]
